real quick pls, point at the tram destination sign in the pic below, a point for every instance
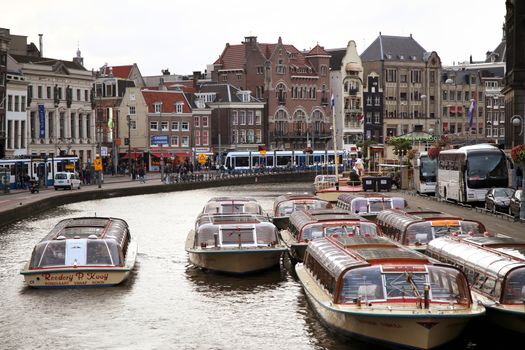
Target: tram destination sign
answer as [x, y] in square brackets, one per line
[159, 140]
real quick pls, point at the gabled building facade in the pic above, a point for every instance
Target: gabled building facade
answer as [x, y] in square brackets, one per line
[294, 85]
[346, 80]
[373, 109]
[410, 80]
[16, 114]
[4, 45]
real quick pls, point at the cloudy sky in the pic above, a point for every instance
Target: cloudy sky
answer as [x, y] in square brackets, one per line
[184, 36]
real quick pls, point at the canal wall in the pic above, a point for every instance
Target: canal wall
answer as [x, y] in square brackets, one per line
[41, 202]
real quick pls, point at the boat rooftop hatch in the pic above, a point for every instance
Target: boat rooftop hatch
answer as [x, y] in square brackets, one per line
[232, 199]
[88, 227]
[228, 219]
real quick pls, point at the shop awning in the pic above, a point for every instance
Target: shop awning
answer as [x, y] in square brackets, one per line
[183, 154]
[133, 155]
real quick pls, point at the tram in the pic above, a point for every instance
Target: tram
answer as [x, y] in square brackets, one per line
[415, 228]
[495, 269]
[40, 169]
[255, 161]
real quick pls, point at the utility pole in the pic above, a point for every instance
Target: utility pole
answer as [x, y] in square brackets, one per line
[99, 149]
[129, 144]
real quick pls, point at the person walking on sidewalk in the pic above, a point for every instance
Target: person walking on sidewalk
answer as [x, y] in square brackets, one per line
[141, 175]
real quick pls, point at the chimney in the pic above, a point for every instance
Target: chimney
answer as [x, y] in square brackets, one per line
[470, 59]
[41, 45]
[196, 77]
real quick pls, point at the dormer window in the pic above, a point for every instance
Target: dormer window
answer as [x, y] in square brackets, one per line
[178, 108]
[244, 96]
[157, 107]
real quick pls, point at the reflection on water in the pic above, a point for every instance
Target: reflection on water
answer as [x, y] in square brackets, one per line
[167, 303]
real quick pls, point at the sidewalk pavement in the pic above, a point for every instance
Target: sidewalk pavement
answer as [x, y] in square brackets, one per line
[18, 197]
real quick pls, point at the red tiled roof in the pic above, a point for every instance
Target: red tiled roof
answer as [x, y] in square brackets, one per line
[233, 56]
[318, 50]
[122, 71]
[168, 100]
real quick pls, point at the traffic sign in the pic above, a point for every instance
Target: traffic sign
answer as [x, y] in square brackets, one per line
[97, 163]
[159, 140]
[201, 158]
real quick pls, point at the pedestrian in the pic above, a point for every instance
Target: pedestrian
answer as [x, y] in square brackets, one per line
[141, 175]
[519, 177]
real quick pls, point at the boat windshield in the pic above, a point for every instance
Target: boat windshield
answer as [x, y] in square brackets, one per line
[377, 205]
[352, 228]
[514, 290]
[374, 283]
[232, 208]
[78, 252]
[424, 232]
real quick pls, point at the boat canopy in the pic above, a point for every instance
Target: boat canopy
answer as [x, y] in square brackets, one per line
[495, 264]
[83, 242]
[369, 204]
[234, 231]
[308, 225]
[232, 205]
[286, 204]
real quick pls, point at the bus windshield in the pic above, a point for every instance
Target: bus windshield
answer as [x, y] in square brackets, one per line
[485, 170]
[427, 170]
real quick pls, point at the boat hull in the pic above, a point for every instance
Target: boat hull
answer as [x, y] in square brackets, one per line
[233, 260]
[407, 327]
[70, 277]
[510, 317]
[295, 249]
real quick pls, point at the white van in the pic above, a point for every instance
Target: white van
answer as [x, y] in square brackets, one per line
[66, 180]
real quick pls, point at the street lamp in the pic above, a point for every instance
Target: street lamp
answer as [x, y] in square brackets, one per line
[517, 121]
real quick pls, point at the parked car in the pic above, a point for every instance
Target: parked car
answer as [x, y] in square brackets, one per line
[498, 199]
[515, 202]
[66, 180]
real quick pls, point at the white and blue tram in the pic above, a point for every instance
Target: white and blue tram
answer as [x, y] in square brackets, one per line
[255, 161]
[40, 169]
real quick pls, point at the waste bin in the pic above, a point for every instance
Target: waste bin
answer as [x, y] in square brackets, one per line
[369, 183]
[384, 183]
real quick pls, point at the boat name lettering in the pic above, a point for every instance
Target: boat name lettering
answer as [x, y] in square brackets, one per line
[58, 277]
[97, 276]
[390, 325]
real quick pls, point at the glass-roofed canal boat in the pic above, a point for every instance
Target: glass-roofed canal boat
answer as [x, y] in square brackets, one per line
[495, 268]
[373, 288]
[307, 225]
[368, 205]
[286, 204]
[232, 205]
[82, 252]
[236, 243]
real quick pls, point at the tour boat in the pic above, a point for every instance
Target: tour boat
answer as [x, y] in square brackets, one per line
[416, 227]
[368, 205]
[305, 226]
[286, 204]
[236, 243]
[232, 205]
[376, 289]
[329, 187]
[495, 268]
[82, 252]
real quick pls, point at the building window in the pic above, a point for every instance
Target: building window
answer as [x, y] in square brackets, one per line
[250, 136]
[258, 136]
[79, 95]
[249, 117]
[39, 91]
[164, 126]
[323, 70]
[154, 126]
[174, 126]
[204, 122]
[368, 118]
[185, 126]
[17, 103]
[175, 141]
[9, 103]
[157, 107]
[432, 77]
[260, 70]
[48, 92]
[391, 75]
[257, 117]
[205, 138]
[197, 138]
[377, 119]
[369, 100]
[234, 118]
[133, 124]
[185, 141]
[377, 101]
[178, 108]
[196, 121]
[242, 118]
[415, 76]
[86, 95]
[23, 104]
[402, 78]
[131, 110]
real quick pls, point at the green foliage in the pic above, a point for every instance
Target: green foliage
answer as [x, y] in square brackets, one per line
[401, 146]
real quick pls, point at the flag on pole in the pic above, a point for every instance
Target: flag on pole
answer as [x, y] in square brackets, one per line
[332, 102]
[471, 112]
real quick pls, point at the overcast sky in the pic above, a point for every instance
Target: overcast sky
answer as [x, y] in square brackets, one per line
[185, 36]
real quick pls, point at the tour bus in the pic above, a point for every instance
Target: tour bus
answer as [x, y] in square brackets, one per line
[467, 173]
[36, 168]
[425, 174]
[254, 160]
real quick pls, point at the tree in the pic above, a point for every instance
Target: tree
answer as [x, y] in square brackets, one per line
[401, 147]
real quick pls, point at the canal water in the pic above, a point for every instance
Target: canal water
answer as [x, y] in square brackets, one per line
[167, 303]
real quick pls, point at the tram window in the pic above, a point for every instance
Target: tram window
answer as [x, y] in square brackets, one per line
[242, 161]
[284, 160]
